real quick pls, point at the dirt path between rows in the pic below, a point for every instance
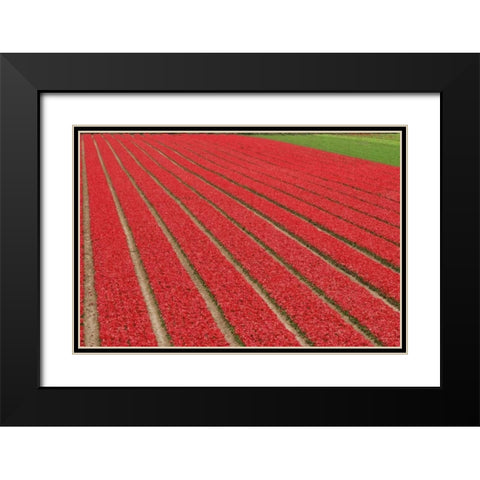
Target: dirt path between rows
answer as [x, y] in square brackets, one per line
[91, 330]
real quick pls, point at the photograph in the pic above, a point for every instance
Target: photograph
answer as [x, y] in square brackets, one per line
[239, 239]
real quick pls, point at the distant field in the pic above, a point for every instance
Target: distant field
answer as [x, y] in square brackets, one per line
[377, 147]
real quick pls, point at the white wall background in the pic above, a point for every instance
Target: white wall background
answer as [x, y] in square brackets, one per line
[218, 26]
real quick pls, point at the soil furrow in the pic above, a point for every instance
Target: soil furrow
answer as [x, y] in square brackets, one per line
[90, 319]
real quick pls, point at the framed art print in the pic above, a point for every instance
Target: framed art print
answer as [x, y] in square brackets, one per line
[239, 242]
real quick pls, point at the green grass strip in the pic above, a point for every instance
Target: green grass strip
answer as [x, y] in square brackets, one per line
[381, 148]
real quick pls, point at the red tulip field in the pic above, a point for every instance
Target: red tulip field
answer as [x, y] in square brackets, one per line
[229, 240]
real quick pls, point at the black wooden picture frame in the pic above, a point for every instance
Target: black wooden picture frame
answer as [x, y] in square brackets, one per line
[24, 77]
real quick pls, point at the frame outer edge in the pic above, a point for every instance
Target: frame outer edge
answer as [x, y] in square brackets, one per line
[19, 228]
[19, 383]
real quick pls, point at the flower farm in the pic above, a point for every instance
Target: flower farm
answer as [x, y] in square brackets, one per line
[227, 240]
